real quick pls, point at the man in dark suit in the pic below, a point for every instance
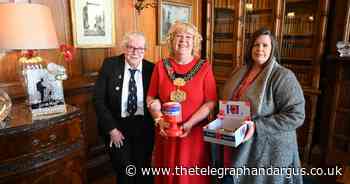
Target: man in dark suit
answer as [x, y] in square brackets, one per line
[41, 88]
[122, 114]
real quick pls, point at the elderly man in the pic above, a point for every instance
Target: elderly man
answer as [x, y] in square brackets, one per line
[123, 118]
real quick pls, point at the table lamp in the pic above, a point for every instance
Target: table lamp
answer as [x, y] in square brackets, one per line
[28, 27]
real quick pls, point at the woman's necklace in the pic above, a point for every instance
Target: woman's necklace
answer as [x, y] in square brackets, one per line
[180, 80]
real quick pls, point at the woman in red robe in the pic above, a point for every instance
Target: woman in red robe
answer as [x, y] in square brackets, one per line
[191, 80]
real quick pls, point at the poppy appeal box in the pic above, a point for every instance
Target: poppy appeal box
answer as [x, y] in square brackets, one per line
[229, 130]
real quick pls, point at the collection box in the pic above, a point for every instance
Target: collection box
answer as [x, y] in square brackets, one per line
[230, 130]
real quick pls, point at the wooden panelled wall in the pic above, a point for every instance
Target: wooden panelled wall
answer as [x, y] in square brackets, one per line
[84, 68]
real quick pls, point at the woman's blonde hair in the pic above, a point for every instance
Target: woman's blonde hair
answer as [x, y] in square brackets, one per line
[180, 27]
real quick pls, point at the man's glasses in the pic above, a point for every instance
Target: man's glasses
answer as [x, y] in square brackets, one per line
[135, 49]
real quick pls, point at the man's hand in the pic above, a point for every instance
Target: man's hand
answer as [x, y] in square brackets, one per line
[116, 138]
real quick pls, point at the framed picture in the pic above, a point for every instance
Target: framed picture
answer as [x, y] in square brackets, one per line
[93, 23]
[169, 12]
[45, 92]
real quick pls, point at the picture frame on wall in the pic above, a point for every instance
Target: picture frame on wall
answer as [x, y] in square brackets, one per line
[168, 13]
[93, 23]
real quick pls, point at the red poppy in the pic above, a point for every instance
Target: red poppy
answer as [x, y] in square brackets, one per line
[29, 53]
[67, 52]
[68, 56]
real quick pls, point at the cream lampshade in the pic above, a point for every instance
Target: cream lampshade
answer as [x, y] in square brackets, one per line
[26, 26]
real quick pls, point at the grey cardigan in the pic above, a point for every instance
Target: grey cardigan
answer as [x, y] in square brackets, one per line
[278, 109]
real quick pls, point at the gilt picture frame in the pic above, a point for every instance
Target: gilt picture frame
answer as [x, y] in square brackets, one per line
[168, 13]
[93, 23]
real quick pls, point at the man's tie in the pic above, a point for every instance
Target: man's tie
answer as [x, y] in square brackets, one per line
[132, 97]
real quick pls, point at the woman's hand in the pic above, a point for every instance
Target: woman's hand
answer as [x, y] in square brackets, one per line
[159, 122]
[251, 130]
[154, 105]
[186, 129]
[220, 115]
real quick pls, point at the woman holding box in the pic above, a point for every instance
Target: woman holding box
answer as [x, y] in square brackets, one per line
[277, 106]
[185, 78]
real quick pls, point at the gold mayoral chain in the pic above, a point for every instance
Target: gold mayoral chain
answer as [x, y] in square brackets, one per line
[180, 80]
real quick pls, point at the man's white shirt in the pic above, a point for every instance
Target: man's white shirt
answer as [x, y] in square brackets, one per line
[139, 86]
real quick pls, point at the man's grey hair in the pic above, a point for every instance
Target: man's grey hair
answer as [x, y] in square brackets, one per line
[128, 36]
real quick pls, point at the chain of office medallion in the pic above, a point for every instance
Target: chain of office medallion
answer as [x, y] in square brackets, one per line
[187, 76]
